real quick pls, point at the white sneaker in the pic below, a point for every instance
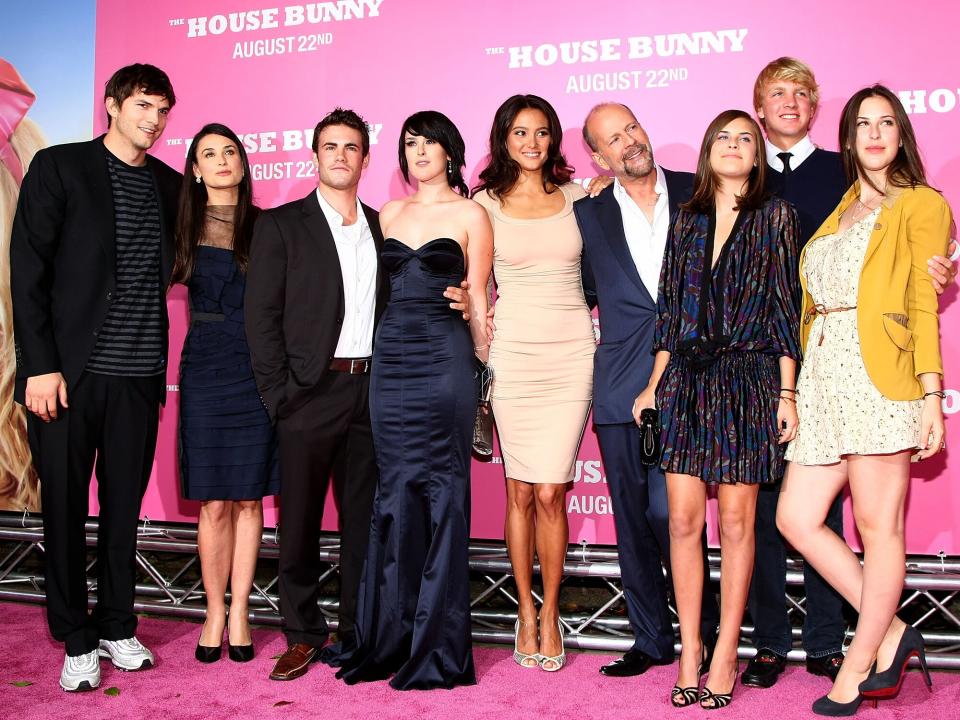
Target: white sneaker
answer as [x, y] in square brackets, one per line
[80, 672]
[127, 654]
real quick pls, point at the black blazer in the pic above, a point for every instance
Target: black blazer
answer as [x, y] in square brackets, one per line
[63, 257]
[628, 315]
[294, 306]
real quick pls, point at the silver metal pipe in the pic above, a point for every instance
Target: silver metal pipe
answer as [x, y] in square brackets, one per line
[924, 575]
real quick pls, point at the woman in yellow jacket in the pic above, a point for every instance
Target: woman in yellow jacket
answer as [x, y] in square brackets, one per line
[870, 388]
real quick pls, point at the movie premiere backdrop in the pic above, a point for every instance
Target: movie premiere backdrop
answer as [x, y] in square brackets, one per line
[271, 70]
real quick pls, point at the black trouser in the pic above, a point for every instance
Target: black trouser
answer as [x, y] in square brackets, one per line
[641, 517]
[824, 625]
[112, 420]
[330, 433]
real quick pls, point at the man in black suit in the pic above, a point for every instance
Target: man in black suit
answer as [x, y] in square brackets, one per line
[314, 295]
[624, 232]
[91, 253]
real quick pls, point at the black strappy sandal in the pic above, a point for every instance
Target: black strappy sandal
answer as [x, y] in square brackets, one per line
[687, 696]
[718, 700]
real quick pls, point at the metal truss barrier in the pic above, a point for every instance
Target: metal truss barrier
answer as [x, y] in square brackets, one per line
[592, 605]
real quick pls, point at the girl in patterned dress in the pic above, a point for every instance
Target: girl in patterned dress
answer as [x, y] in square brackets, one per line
[727, 345]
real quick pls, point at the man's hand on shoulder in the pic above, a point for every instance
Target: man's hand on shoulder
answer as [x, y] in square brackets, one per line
[42, 394]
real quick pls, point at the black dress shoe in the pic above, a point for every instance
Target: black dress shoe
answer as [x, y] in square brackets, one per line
[763, 669]
[827, 666]
[206, 654]
[240, 653]
[633, 663]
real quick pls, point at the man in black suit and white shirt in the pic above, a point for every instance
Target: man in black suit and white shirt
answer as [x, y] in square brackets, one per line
[314, 295]
[91, 252]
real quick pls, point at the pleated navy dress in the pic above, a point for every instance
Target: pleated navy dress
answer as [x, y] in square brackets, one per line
[726, 327]
[228, 448]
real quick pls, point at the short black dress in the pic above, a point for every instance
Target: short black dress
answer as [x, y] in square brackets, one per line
[228, 447]
[726, 327]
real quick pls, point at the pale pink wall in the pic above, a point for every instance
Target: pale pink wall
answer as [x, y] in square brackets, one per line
[404, 56]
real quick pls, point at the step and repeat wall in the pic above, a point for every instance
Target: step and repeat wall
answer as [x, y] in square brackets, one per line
[270, 71]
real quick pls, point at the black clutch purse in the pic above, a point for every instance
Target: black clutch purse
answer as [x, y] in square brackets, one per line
[483, 423]
[650, 448]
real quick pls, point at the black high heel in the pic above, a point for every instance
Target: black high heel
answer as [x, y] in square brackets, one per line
[831, 708]
[718, 700]
[687, 696]
[887, 683]
[240, 653]
[207, 654]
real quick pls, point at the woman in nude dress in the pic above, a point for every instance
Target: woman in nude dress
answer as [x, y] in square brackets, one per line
[541, 354]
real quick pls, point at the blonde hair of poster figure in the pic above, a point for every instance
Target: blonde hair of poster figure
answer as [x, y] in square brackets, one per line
[19, 486]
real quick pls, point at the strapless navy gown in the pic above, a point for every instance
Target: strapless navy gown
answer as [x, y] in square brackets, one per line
[413, 615]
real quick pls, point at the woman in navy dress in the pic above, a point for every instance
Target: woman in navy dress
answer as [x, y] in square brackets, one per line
[228, 449]
[413, 615]
[727, 345]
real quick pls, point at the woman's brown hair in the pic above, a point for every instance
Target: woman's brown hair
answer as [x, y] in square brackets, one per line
[906, 170]
[502, 171]
[705, 181]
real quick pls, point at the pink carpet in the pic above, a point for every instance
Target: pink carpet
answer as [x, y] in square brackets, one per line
[179, 687]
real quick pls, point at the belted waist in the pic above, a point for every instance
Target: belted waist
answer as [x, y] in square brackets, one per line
[206, 317]
[352, 366]
[820, 309]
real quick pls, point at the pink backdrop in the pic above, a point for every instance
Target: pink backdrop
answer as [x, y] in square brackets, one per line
[272, 71]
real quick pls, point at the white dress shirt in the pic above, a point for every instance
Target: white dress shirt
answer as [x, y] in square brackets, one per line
[358, 263]
[646, 241]
[800, 151]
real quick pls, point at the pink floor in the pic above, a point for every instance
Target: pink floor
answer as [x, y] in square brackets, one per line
[179, 687]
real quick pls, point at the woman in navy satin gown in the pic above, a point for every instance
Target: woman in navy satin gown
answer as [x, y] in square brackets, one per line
[413, 616]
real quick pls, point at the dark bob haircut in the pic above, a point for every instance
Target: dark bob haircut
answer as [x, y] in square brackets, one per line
[502, 172]
[139, 77]
[438, 127]
[339, 116]
[191, 215]
[705, 182]
[906, 170]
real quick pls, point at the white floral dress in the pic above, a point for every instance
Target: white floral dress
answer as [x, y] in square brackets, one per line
[840, 409]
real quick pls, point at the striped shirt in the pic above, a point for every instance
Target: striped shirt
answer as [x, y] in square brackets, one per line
[131, 341]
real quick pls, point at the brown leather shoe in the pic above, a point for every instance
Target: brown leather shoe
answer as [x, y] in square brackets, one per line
[293, 663]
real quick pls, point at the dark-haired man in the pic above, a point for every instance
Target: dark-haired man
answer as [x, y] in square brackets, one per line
[314, 295]
[90, 255]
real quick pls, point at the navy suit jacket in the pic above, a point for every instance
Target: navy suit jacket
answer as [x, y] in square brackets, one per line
[628, 315]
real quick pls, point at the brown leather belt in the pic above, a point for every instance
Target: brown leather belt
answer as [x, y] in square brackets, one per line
[820, 309]
[352, 366]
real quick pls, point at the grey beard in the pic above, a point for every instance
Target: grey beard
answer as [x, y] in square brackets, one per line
[635, 173]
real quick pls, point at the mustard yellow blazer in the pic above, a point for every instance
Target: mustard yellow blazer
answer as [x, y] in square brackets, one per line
[896, 303]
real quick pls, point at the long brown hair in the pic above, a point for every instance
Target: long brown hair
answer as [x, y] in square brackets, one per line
[906, 170]
[193, 205]
[705, 181]
[502, 171]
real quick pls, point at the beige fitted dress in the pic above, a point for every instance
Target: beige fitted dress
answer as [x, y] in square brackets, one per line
[542, 350]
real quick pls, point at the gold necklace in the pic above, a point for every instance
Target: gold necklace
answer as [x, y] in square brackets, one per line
[857, 216]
